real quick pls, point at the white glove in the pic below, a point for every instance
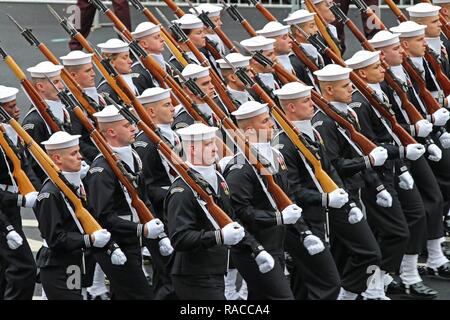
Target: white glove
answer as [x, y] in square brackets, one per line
[414, 151]
[291, 214]
[154, 228]
[384, 199]
[101, 238]
[232, 233]
[423, 128]
[406, 181]
[118, 258]
[444, 139]
[264, 261]
[378, 156]
[337, 198]
[355, 215]
[84, 169]
[30, 199]
[165, 247]
[434, 153]
[313, 244]
[14, 240]
[440, 117]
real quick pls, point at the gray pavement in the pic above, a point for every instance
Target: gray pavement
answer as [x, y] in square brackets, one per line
[46, 29]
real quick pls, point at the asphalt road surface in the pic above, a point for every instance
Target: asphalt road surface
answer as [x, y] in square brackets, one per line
[47, 30]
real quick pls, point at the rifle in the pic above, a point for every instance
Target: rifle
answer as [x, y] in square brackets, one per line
[236, 16]
[323, 27]
[365, 144]
[74, 87]
[195, 181]
[34, 96]
[89, 224]
[281, 199]
[328, 185]
[24, 184]
[384, 109]
[125, 177]
[441, 78]
[401, 90]
[429, 101]
[168, 39]
[181, 37]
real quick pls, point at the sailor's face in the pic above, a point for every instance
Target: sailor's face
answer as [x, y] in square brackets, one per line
[154, 43]
[122, 63]
[342, 91]
[433, 24]
[205, 152]
[283, 44]
[304, 108]
[205, 84]
[217, 21]
[198, 37]
[84, 75]
[323, 9]
[47, 89]
[415, 46]
[162, 111]
[12, 109]
[375, 72]
[393, 54]
[309, 27]
[68, 159]
[125, 131]
[264, 127]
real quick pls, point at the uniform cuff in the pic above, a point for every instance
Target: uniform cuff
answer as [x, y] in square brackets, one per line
[380, 188]
[9, 229]
[367, 162]
[218, 235]
[87, 241]
[403, 169]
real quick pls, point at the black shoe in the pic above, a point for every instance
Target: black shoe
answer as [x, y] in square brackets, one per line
[446, 249]
[395, 287]
[443, 271]
[423, 271]
[420, 291]
[447, 224]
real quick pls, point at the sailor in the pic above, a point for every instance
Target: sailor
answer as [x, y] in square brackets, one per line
[200, 258]
[149, 37]
[118, 54]
[18, 269]
[33, 121]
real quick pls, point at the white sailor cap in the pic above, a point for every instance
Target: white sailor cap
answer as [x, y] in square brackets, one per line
[7, 94]
[409, 29]
[114, 46]
[197, 132]
[45, 68]
[333, 72]
[76, 58]
[212, 10]
[145, 29]
[194, 71]
[250, 109]
[384, 38]
[258, 43]
[236, 59]
[423, 9]
[317, 1]
[189, 21]
[363, 58]
[61, 140]
[293, 90]
[299, 16]
[109, 114]
[154, 94]
[273, 29]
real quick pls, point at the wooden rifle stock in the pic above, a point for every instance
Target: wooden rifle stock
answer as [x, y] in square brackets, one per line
[24, 184]
[54, 173]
